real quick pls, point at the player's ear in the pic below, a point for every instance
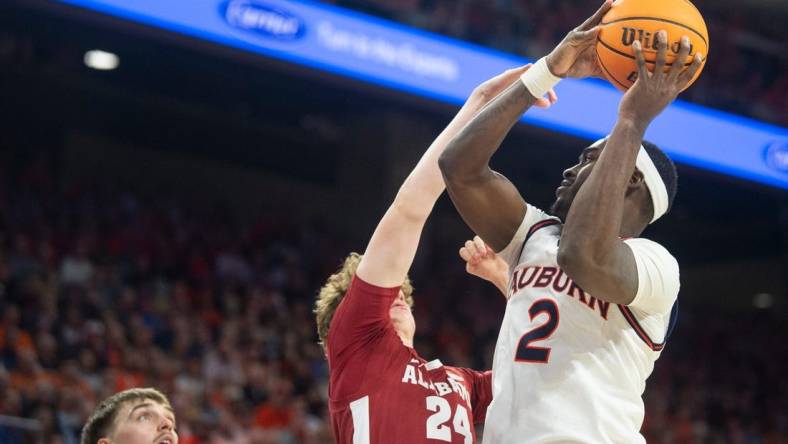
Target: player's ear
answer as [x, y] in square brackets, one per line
[635, 182]
[636, 179]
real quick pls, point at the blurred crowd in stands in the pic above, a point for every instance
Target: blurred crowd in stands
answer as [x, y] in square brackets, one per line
[103, 290]
[747, 71]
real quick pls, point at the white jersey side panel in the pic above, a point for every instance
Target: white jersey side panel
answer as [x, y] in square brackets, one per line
[567, 366]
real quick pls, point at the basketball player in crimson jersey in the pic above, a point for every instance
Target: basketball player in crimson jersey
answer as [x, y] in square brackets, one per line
[591, 303]
[380, 389]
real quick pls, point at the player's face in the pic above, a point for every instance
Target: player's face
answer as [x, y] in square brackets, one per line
[574, 178]
[143, 421]
[402, 319]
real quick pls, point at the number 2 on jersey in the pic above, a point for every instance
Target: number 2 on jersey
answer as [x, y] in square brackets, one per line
[530, 353]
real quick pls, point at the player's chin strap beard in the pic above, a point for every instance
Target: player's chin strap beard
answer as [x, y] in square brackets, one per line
[654, 182]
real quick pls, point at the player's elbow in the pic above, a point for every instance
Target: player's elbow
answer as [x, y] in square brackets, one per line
[564, 258]
[455, 161]
[573, 259]
[582, 263]
[458, 172]
[576, 266]
[413, 208]
[448, 163]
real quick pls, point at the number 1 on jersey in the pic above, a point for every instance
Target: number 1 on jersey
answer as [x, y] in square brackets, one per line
[527, 352]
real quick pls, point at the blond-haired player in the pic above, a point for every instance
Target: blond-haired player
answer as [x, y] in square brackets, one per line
[380, 389]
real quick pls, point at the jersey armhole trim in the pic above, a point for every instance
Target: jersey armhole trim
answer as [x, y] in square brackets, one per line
[537, 226]
[633, 322]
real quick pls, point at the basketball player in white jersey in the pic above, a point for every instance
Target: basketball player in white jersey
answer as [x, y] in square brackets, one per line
[590, 300]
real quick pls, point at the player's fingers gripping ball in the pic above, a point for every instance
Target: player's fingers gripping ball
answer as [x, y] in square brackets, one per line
[631, 20]
[480, 247]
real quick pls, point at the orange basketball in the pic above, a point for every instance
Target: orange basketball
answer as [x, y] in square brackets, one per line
[630, 20]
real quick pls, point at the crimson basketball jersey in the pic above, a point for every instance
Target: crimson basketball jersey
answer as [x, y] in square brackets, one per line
[381, 391]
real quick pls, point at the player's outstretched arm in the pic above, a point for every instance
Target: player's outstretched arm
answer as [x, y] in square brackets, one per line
[481, 261]
[591, 251]
[392, 247]
[486, 200]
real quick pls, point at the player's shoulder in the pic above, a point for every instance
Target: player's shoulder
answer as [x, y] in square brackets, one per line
[534, 221]
[648, 247]
[651, 255]
[542, 226]
[537, 219]
[359, 285]
[534, 214]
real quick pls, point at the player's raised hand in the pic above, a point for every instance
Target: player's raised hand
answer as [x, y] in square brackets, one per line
[487, 91]
[481, 261]
[652, 92]
[575, 56]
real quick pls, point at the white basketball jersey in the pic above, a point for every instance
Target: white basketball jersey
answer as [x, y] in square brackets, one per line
[569, 368]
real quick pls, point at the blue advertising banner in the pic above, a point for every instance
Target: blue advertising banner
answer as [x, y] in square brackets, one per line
[381, 52]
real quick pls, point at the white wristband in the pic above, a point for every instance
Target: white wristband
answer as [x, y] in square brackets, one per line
[538, 79]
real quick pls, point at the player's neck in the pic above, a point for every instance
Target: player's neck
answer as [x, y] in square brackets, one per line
[407, 341]
[631, 227]
[634, 218]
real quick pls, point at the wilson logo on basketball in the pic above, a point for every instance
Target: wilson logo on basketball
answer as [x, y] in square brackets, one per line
[647, 39]
[262, 19]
